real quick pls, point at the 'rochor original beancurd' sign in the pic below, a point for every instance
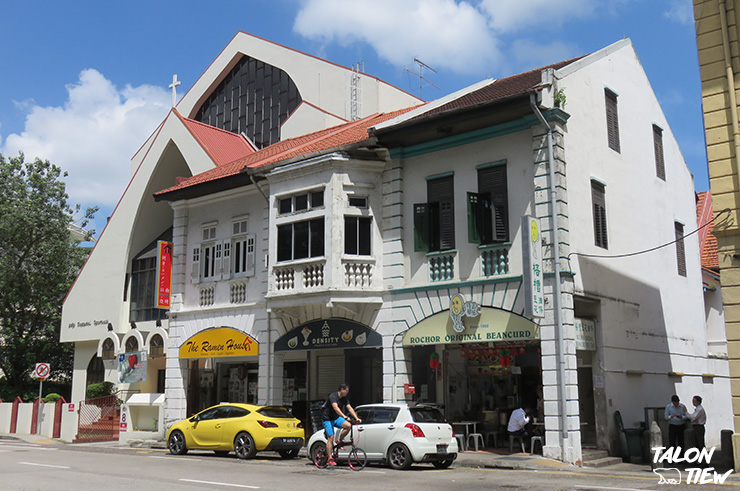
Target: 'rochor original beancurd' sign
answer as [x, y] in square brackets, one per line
[491, 325]
[219, 341]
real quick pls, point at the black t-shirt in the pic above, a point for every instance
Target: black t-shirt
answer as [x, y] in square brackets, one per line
[327, 410]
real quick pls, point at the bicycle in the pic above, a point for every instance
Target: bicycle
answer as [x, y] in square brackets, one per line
[356, 459]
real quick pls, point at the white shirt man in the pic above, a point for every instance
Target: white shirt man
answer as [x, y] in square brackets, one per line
[518, 420]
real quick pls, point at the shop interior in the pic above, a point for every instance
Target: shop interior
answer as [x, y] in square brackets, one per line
[482, 382]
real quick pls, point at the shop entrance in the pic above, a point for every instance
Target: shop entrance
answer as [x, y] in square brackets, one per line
[363, 370]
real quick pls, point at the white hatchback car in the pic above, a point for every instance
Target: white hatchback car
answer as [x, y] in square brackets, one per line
[399, 435]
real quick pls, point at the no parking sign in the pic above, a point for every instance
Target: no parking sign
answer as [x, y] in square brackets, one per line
[42, 370]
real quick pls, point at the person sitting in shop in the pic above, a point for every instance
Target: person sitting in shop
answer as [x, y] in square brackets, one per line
[518, 422]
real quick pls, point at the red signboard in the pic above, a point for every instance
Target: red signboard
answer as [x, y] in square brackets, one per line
[164, 274]
[409, 389]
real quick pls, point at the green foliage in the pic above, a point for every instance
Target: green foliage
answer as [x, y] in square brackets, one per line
[560, 99]
[99, 390]
[53, 397]
[38, 263]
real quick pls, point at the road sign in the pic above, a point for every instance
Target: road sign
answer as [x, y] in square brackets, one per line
[42, 370]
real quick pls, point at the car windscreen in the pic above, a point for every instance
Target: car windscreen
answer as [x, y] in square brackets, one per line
[275, 412]
[426, 415]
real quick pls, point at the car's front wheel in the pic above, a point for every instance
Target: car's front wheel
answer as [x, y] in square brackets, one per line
[244, 446]
[442, 464]
[288, 454]
[399, 456]
[176, 443]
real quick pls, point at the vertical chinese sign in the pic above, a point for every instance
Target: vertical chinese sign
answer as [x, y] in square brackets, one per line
[533, 272]
[164, 274]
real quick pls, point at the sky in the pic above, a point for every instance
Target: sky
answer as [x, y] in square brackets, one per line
[85, 82]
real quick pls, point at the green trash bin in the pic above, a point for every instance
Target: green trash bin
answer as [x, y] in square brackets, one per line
[634, 440]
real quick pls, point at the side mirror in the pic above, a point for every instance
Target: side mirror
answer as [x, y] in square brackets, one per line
[194, 419]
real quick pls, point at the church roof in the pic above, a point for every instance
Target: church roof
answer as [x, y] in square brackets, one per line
[301, 146]
[221, 145]
[707, 240]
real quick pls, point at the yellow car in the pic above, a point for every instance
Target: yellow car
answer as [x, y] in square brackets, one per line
[244, 428]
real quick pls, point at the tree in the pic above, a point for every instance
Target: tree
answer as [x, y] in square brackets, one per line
[39, 260]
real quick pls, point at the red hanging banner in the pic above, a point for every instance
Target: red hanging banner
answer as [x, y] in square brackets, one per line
[164, 274]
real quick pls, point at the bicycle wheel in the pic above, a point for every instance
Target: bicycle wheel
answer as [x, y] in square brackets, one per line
[357, 459]
[319, 457]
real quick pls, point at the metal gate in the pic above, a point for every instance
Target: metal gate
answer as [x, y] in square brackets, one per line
[99, 419]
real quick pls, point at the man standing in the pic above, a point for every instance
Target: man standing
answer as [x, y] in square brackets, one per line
[676, 415]
[518, 421]
[698, 420]
[333, 415]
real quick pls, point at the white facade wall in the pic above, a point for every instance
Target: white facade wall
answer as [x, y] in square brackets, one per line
[651, 320]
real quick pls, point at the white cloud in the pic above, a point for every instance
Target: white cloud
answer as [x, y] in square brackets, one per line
[442, 33]
[511, 16]
[530, 54]
[93, 135]
[681, 11]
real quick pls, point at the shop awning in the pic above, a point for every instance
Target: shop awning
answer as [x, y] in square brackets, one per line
[219, 341]
[492, 325]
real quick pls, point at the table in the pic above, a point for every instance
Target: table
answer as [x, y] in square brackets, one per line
[467, 425]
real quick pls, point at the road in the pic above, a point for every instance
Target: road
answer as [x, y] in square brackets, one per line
[31, 467]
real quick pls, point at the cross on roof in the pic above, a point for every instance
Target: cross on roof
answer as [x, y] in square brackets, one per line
[173, 86]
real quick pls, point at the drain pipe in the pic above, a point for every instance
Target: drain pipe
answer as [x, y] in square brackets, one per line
[557, 301]
[730, 79]
[394, 396]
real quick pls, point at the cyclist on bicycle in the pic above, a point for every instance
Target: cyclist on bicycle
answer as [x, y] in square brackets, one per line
[334, 415]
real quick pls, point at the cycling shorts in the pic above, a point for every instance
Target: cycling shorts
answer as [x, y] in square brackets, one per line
[330, 425]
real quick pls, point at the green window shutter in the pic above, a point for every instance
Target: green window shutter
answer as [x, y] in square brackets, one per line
[474, 218]
[492, 186]
[421, 227]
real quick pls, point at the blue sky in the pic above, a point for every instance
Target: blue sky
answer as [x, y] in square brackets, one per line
[84, 83]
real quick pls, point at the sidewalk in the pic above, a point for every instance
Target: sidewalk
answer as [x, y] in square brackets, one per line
[480, 459]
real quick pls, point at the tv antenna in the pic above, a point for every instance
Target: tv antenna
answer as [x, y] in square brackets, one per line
[420, 74]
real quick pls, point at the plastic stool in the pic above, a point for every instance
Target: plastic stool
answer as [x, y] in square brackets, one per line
[474, 438]
[511, 442]
[460, 442]
[493, 434]
[536, 438]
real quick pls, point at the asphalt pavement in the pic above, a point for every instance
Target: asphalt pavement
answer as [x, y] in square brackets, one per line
[499, 459]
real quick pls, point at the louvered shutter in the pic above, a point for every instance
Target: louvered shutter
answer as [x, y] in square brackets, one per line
[612, 120]
[195, 268]
[658, 147]
[680, 251]
[599, 212]
[250, 244]
[226, 261]
[492, 182]
[217, 260]
[440, 191]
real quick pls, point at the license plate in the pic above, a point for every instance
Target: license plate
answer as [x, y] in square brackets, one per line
[290, 440]
[442, 448]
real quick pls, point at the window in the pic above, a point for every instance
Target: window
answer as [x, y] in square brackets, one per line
[207, 258]
[658, 147]
[108, 350]
[357, 238]
[598, 198]
[434, 221]
[241, 251]
[358, 201]
[612, 119]
[156, 346]
[143, 290]
[488, 215]
[301, 202]
[300, 240]
[132, 345]
[680, 251]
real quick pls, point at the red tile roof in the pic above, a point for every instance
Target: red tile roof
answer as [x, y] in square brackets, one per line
[330, 138]
[707, 240]
[221, 145]
[503, 88]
